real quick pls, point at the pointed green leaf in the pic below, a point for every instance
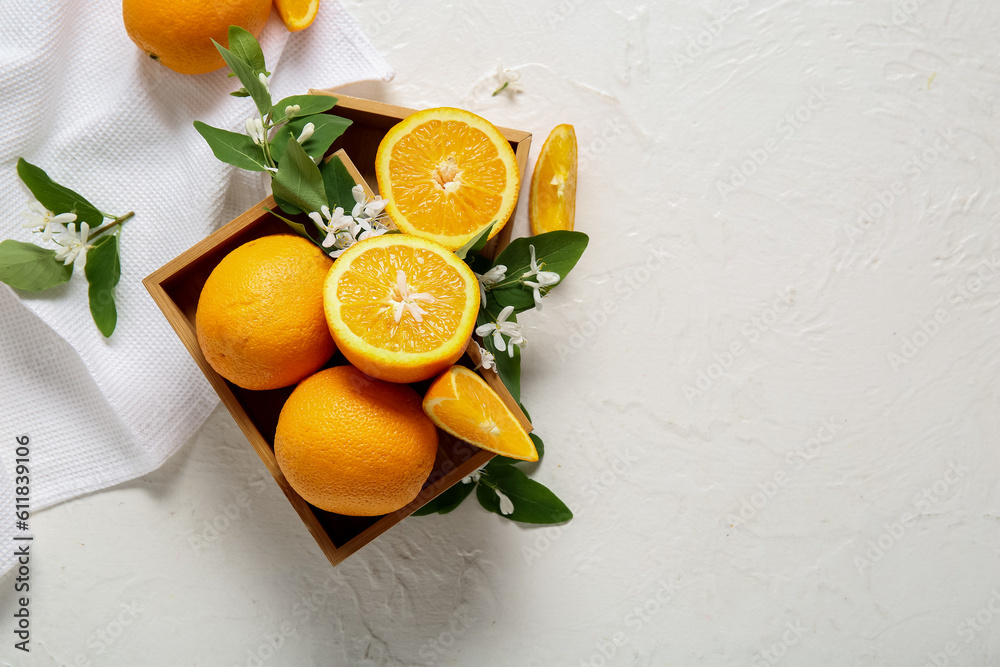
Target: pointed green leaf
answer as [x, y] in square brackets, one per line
[556, 251]
[533, 502]
[55, 197]
[477, 242]
[232, 148]
[338, 183]
[246, 47]
[447, 501]
[298, 180]
[103, 272]
[308, 105]
[328, 129]
[297, 227]
[248, 77]
[29, 267]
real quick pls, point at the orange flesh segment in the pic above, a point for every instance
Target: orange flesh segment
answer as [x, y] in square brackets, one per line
[461, 403]
[447, 176]
[552, 200]
[297, 14]
[367, 293]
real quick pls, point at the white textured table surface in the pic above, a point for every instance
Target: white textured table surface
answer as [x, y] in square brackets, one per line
[769, 390]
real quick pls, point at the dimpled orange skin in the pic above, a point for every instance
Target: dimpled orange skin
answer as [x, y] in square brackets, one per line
[260, 320]
[354, 445]
[179, 33]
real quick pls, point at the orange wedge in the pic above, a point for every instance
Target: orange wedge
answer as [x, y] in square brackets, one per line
[461, 403]
[402, 307]
[447, 173]
[552, 199]
[297, 14]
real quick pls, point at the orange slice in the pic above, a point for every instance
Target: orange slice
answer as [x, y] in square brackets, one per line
[297, 14]
[447, 173]
[461, 403]
[401, 307]
[552, 199]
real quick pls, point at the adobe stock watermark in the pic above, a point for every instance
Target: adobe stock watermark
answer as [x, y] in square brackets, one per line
[751, 330]
[703, 42]
[795, 460]
[432, 651]
[632, 623]
[381, 18]
[592, 491]
[903, 12]
[774, 652]
[599, 143]
[931, 326]
[923, 502]
[563, 11]
[913, 168]
[624, 287]
[104, 637]
[785, 128]
[230, 514]
[312, 602]
[967, 631]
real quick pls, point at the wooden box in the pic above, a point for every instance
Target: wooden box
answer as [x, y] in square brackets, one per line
[176, 287]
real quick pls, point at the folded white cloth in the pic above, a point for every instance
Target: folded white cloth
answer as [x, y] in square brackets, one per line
[82, 102]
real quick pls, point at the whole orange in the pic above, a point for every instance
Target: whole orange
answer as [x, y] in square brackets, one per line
[260, 320]
[351, 444]
[179, 33]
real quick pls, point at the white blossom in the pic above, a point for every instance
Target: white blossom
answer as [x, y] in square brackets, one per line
[486, 359]
[40, 219]
[292, 110]
[542, 279]
[255, 130]
[502, 328]
[491, 277]
[474, 476]
[506, 506]
[266, 81]
[507, 79]
[405, 299]
[307, 132]
[74, 245]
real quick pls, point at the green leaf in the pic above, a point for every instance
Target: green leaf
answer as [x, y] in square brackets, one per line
[29, 267]
[447, 501]
[477, 242]
[533, 502]
[308, 105]
[245, 46]
[297, 227]
[298, 180]
[328, 129]
[240, 93]
[525, 411]
[103, 271]
[508, 367]
[232, 148]
[338, 184]
[506, 460]
[55, 197]
[556, 251]
[248, 77]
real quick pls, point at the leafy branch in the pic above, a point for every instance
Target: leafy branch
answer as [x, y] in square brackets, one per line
[54, 216]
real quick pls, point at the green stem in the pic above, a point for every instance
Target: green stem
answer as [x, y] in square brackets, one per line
[117, 221]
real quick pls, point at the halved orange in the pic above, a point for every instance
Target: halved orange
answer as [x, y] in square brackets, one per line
[461, 403]
[402, 308]
[552, 199]
[447, 173]
[297, 14]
